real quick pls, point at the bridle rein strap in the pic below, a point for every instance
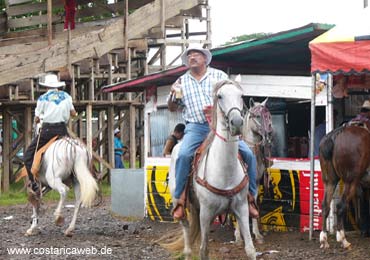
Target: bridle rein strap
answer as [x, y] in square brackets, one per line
[225, 193]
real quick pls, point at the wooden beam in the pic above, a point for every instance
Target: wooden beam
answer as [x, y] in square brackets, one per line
[50, 15]
[91, 44]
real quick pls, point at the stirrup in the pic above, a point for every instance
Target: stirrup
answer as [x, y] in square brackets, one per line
[178, 213]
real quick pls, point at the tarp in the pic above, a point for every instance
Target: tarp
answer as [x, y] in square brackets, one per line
[345, 48]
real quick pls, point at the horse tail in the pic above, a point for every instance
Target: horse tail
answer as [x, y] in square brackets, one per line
[194, 225]
[326, 147]
[327, 143]
[88, 185]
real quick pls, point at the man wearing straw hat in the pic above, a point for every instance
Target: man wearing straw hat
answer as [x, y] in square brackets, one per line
[193, 92]
[54, 109]
[364, 115]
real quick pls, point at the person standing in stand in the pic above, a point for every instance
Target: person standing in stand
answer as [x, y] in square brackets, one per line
[119, 149]
[69, 15]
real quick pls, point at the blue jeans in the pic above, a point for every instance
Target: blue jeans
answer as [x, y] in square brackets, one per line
[118, 161]
[194, 136]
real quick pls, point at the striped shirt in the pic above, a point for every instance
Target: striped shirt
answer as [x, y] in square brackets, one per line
[198, 94]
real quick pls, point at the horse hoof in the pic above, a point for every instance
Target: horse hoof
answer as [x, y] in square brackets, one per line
[346, 245]
[28, 233]
[59, 221]
[260, 241]
[32, 232]
[68, 233]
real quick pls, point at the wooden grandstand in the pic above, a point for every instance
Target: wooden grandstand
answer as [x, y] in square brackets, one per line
[112, 42]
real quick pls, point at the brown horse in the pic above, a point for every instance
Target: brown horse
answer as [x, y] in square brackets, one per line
[344, 155]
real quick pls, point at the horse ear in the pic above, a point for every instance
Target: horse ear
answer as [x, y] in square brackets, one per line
[238, 78]
[264, 102]
[251, 102]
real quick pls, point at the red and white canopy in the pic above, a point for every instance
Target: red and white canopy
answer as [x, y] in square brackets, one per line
[345, 48]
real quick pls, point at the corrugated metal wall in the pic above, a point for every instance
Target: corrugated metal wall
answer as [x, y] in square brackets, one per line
[162, 123]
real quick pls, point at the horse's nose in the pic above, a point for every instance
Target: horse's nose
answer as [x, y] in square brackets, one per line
[236, 121]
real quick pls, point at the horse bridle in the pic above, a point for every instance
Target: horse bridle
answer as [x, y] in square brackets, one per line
[261, 127]
[226, 118]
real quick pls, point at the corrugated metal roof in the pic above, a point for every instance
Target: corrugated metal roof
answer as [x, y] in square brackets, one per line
[283, 53]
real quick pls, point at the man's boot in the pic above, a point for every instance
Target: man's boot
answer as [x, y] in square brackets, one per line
[33, 184]
[178, 212]
[253, 208]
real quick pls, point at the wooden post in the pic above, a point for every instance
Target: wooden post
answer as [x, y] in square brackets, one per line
[209, 27]
[27, 126]
[50, 16]
[7, 126]
[125, 26]
[32, 89]
[89, 127]
[132, 112]
[110, 134]
[73, 82]
[92, 80]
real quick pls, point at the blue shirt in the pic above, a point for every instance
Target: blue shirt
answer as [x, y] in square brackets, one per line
[198, 94]
[118, 145]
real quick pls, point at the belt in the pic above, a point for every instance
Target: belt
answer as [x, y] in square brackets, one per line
[53, 124]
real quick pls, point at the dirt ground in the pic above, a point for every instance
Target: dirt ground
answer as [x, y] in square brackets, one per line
[99, 235]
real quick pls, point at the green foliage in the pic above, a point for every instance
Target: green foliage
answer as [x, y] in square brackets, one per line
[246, 37]
[17, 194]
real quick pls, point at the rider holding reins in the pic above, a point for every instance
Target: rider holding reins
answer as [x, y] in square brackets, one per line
[54, 108]
[193, 92]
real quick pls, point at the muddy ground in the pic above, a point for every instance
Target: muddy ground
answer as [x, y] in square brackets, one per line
[103, 236]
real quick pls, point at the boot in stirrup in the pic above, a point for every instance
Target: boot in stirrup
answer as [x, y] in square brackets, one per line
[178, 212]
[253, 208]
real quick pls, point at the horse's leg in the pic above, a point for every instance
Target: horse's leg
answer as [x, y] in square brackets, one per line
[238, 238]
[205, 219]
[364, 213]
[187, 246]
[330, 180]
[255, 228]
[328, 196]
[62, 189]
[348, 193]
[243, 220]
[35, 216]
[77, 191]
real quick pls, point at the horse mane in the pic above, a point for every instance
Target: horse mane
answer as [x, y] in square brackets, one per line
[211, 135]
[213, 124]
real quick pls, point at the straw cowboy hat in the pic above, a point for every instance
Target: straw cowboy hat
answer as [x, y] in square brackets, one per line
[205, 52]
[51, 81]
[366, 104]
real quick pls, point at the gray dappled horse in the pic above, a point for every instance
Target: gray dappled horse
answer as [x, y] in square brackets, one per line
[257, 133]
[66, 160]
[220, 168]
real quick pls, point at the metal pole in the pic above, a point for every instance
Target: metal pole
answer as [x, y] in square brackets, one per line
[312, 142]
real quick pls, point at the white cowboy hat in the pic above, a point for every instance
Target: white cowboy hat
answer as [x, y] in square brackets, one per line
[206, 53]
[366, 104]
[116, 131]
[51, 81]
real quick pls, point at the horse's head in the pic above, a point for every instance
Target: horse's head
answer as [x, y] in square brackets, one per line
[228, 104]
[259, 122]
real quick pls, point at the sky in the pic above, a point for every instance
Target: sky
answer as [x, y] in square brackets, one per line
[237, 17]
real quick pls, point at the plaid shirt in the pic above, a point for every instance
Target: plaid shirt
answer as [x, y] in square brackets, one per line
[198, 94]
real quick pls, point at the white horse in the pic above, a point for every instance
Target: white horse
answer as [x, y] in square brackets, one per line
[220, 182]
[66, 160]
[257, 133]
